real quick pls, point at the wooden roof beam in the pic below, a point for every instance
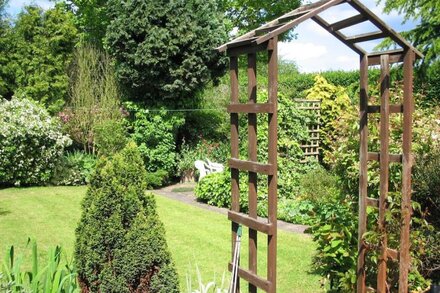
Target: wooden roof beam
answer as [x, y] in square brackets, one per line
[299, 11]
[241, 42]
[348, 22]
[267, 29]
[395, 56]
[367, 37]
[285, 18]
[324, 24]
[313, 12]
[382, 26]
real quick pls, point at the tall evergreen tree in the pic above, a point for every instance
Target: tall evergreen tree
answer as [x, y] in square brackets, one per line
[39, 52]
[6, 79]
[165, 49]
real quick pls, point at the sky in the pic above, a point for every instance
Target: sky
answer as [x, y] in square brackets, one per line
[315, 49]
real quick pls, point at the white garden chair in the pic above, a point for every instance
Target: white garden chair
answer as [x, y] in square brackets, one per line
[201, 166]
[215, 167]
[207, 167]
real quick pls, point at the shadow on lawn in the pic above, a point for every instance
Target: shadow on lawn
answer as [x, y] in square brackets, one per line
[4, 212]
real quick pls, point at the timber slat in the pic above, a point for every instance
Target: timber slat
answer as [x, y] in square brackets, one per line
[252, 278]
[323, 5]
[366, 37]
[252, 177]
[242, 42]
[245, 220]
[287, 18]
[272, 185]
[372, 202]
[348, 22]
[384, 135]
[251, 108]
[383, 26]
[392, 254]
[363, 174]
[395, 158]
[256, 167]
[267, 29]
[338, 35]
[396, 56]
[398, 108]
[408, 101]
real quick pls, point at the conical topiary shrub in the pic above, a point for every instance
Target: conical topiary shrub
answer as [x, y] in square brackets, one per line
[120, 241]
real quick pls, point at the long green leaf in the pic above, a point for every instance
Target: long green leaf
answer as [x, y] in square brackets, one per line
[34, 258]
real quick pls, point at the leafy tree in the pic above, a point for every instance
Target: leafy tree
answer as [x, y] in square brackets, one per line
[120, 241]
[155, 133]
[42, 46]
[164, 49]
[91, 18]
[5, 48]
[426, 35]
[249, 14]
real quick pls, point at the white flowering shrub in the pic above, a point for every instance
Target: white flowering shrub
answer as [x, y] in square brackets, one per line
[31, 143]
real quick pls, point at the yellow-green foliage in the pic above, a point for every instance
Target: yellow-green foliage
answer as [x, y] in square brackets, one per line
[334, 103]
[121, 244]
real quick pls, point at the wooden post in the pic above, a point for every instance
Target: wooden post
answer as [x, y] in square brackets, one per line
[252, 156]
[272, 159]
[384, 170]
[408, 108]
[363, 170]
[235, 188]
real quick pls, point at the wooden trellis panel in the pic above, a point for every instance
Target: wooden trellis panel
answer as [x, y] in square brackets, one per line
[386, 253]
[253, 167]
[311, 147]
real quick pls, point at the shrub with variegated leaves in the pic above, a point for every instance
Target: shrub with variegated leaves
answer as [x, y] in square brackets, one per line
[31, 143]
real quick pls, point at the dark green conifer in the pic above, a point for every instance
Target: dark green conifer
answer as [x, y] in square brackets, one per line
[120, 241]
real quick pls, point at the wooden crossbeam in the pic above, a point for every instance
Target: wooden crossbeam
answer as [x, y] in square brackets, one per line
[265, 30]
[251, 108]
[249, 166]
[359, 18]
[372, 156]
[396, 56]
[252, 223]
[290, 17]
[338, 35]
[366, 37]
[383, 26]
[372, 202]
[253, 278]
[240, 43]
[393, 108]
[313, 12]
[392, 254]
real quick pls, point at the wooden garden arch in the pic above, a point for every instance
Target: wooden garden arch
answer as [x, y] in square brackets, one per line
[265, 38]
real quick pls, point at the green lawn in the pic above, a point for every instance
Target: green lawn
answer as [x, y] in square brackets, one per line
[195, 236]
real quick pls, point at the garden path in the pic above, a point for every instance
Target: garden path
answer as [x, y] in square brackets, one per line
[184, 192]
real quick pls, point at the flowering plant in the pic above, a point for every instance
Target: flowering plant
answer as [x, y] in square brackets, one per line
[31, 143]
